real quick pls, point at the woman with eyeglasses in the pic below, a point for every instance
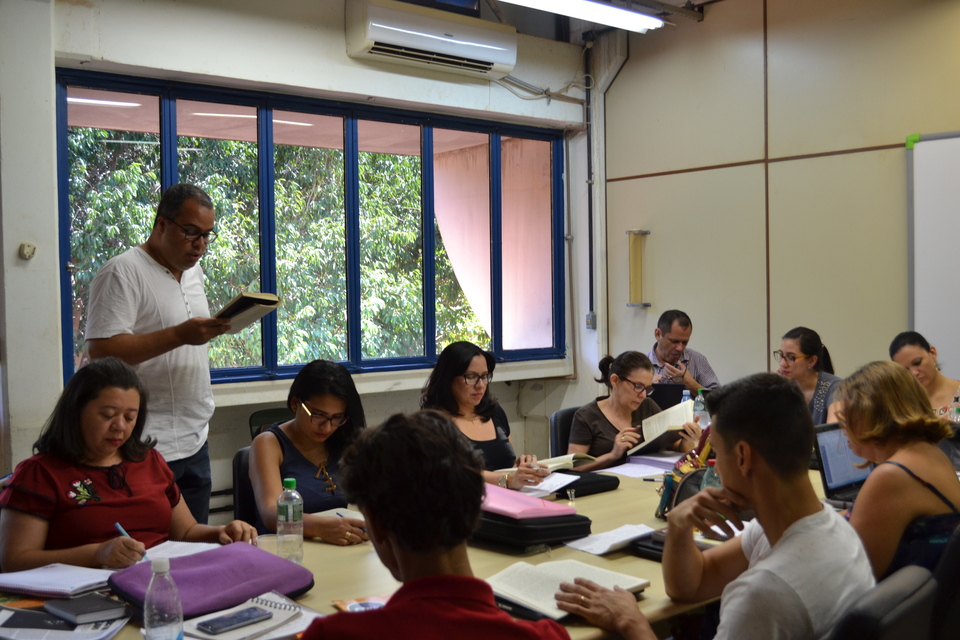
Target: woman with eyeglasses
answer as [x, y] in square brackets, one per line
[97, 493]
[460, 386]
[327, 418]
[804, 358]
[609, 427]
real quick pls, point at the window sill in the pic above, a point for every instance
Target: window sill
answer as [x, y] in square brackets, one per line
[234, 394]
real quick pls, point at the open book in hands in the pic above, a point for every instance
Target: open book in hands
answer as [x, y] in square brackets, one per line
[663, 429]
[568, 461]
[247, 308]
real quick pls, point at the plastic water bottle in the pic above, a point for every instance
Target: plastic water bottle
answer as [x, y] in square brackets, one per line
[686, 395]
[162, 611]
[710, 477]
[700, 409]
[290, 522]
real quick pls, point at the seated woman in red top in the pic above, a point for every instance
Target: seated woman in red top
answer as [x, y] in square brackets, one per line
[92, 470]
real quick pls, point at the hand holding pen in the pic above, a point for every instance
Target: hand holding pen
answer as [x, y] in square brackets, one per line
[121, 551]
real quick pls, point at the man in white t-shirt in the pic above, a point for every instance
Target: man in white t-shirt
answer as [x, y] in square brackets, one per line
[795, 569]
[147, 306]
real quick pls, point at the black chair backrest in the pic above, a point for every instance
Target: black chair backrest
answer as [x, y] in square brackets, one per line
[244, 502]
[266, 417]
[898, 608]
[946, 604]
[560, 423]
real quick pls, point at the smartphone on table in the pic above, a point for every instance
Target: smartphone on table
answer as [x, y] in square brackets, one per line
[235, 620]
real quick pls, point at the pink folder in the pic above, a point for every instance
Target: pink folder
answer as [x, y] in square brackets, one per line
[518, 505]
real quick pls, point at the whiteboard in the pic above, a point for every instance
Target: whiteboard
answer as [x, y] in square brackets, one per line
[934, 216]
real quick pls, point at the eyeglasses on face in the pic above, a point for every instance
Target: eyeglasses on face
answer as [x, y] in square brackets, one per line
[638, 387]
[192, 235]
[472, 378]
[319, 418]
[789, 357]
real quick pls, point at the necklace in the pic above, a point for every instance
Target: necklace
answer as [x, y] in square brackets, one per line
[322, 469]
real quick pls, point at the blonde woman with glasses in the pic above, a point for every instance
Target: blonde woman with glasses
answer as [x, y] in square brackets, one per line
[459, 385]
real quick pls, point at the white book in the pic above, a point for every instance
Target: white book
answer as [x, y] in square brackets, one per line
[246, 308]
[609, 541]
[532, 587]
[55, 581]
[663, 429]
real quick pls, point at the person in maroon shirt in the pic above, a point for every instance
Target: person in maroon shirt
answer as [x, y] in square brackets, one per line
[417, 482]
[92, 471]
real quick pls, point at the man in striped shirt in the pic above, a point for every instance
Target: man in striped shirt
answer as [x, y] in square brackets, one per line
[672, 361]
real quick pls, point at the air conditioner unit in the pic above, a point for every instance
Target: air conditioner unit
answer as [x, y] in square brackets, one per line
[416, 36]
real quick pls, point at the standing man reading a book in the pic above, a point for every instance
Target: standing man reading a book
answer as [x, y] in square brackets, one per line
[673, 361]
[771, 579]
[417, 481]
[147, 307]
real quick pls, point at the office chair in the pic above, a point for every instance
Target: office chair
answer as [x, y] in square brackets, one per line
[266, 417]
[898, 608]
[560, 423]
[244, 502]
[946, 604]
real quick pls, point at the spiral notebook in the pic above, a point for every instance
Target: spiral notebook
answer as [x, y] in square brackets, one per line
[284, 610]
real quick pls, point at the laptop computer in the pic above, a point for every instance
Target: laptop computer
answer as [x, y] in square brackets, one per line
[841, 479]
[667, 394]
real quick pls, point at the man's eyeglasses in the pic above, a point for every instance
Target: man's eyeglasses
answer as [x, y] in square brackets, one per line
[472, 378]
[638, 387]
[320, 418]
[192, 235]
[789, 357]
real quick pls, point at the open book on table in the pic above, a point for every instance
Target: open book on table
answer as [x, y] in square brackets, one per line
[663, 429]
[247, 308]
[284, 610]
[526, 591]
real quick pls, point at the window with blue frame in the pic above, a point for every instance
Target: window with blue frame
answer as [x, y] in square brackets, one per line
[386, 234]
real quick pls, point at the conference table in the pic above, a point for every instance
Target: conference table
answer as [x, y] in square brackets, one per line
[355, 571]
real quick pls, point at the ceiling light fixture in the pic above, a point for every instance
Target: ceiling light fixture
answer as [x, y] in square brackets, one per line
[598, 12]
[102, 103]
[250, 116]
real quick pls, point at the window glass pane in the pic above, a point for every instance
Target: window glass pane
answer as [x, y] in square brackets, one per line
[217, 151]
[461, 166]
[527, 244]
[113, 158]
[391, 264]
[311, 246]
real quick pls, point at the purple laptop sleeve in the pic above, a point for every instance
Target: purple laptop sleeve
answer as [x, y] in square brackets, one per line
[218, 579]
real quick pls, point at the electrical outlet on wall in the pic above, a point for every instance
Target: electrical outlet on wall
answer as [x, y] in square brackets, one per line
[27, 250]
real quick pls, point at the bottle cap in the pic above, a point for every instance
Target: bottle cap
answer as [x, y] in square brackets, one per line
[712, 462]
[289, 483]
[160, 565]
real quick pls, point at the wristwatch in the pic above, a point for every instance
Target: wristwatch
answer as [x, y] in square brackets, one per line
[503, 480]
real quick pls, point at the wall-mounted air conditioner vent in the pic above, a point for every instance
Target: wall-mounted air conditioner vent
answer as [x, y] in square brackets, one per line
[415, 36]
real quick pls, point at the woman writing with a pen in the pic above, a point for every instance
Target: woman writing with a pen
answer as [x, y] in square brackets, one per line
[93, 470]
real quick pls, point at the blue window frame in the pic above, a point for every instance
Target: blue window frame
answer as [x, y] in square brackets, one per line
[377, 144]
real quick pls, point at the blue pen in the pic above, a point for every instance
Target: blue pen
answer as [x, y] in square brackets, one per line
[124, 533]
[343, 516]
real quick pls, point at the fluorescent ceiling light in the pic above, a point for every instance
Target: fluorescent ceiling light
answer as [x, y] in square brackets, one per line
[244, 115]
[102, 103]
[599, 12]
